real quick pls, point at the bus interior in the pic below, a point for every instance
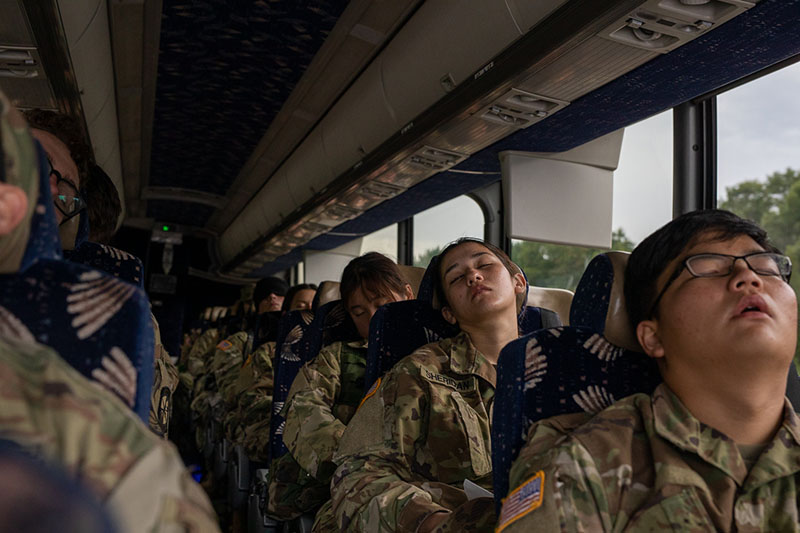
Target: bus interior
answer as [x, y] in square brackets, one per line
[262, 138]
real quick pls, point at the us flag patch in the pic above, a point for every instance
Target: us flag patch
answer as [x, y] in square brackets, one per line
[372, 390]
[224, 346]
[522, 501]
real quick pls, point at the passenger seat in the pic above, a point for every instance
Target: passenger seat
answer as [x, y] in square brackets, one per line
[569, 369]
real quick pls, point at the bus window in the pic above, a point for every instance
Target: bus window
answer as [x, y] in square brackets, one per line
[444, 223]
[384, 241]
[642, 204]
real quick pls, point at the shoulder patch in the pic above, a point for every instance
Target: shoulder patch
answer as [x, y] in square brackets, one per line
[224, 346]
[440, 379]
[372, 390]
[522, 500]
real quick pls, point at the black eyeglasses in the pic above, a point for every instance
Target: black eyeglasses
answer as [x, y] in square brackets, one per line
[68, 199]
[721, 265]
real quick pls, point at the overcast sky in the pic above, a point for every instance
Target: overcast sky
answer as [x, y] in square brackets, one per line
[758, 133]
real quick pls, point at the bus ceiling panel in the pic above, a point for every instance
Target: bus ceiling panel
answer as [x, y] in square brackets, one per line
[90, 50]
[15, 30]
[224, 72]
[79, 15]
[339, 139]
[191, 214]
[104, 145]
[357, 37]
[439, 48]
[307, 170]
[528, 14]
[87, 34]
[367, 111]
[570, 127]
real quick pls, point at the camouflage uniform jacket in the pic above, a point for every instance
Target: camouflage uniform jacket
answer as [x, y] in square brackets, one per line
[165, 381]
[322, 400]
[420, 432]
[226, 364]
[252, 392]
[646, 464]
[55, 413]
[201, 351]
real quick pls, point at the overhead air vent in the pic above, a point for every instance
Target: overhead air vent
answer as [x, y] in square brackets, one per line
[520, 109]
[662, 25]
[363, 197]
[434, 159]
[19, 63]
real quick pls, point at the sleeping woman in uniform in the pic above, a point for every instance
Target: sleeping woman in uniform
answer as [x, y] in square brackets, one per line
[425, 428]
[327, 391]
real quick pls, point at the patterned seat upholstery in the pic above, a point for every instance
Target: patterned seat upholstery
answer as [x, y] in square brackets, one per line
[399, 328]
[569, 369]
[332, 323]
[91, 319]
[110, 260]
[289, 360]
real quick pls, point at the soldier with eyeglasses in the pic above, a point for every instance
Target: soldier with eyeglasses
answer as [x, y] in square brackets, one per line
[69, 158]
[716, 446]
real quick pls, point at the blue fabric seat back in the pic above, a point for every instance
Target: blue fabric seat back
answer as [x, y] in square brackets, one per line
[266, 328]
[563, 370]
[110, 260]
[85, 315]
[590, 303]
[332, 323]
[399, 328]
[288, 349]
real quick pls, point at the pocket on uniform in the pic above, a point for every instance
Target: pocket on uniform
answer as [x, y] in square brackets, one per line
[680, 512]
[478, 450]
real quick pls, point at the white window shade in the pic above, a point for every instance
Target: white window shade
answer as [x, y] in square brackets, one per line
[564, 198]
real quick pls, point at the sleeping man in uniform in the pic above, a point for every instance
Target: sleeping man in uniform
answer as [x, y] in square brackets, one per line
[716, 447]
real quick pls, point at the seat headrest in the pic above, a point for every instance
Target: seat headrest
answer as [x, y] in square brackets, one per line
[413, 275]
[599, 301]
[327, 292]
[558, 300]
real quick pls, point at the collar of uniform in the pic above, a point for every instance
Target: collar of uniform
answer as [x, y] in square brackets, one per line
[466, 359]
[360, 343]
[781, 457]
[675, 423]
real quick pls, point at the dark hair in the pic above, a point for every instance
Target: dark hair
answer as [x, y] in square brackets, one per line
[373, 273]
[68, 131]
[654, 254]
[287, 301]
[102, 205]
[436, 262]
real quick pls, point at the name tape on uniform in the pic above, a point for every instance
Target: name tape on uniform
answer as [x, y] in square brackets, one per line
[522, 501]
[459, 385]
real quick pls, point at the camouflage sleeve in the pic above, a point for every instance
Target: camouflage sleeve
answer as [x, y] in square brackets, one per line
[157, 494]
[197, 356]
[57, 414]
[375, 487]
[555, 484]
[312, 432]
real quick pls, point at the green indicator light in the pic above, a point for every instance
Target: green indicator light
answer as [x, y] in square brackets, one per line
[164, 228]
